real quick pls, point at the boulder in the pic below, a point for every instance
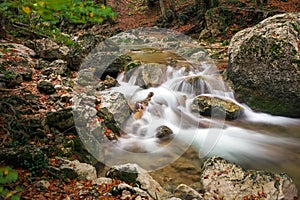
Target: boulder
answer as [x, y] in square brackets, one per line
[16, 66]
[163, 132]
[150, 75]
[82, 170]
[185, 192]
[133, 174]
[50, 50]
[216, 107]
[224, 180]
[46, 87]
[116, 104]
[264, 65]
[62, 119]
[85, 43]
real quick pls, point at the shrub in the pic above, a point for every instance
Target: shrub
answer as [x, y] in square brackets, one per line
[8, 176]
[52, 11]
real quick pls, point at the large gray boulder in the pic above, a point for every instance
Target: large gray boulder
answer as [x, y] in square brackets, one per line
[221, 178]
[135, 175]
[264, 65]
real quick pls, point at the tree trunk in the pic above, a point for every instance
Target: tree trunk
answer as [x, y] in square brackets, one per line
[163, 9]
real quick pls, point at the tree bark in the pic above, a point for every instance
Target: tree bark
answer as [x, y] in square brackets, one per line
[163, 9]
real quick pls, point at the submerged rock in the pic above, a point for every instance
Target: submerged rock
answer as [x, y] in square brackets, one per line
[224, 180]
[216, 107]
[264, 65]
[163, 132]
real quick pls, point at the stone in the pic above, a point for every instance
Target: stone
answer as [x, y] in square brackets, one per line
[18, 69]
[264, 65]
[187, 193]
[134, 174]
[225, 180]
[216, 107]
[84, 45]
[42, 185]
[163, 132]
[107, 83]
[116, 104]
[83, 170]
[60, 68]
[151, 75]
[126, 190]
[50, 50]
[62, 119]
[46, 87]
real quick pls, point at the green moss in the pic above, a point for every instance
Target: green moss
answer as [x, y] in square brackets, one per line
[262, 103]
[296, 28]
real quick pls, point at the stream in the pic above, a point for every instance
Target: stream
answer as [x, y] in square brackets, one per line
[255, 140]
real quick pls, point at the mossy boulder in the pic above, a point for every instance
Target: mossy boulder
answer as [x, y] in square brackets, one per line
[264, 65]
[216, 107]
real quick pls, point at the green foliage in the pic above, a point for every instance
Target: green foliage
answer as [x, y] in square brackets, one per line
[8, 176]
[52, 11]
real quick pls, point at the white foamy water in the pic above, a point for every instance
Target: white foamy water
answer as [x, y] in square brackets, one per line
[250, 140]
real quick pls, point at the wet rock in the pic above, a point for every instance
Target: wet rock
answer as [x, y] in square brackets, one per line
[50, 50]
[116, 66]
[193, 84]
[108, 121]
[216, 107]
[187, 193]
[222, 179]
[46, 87]
[116, 104]
[151, 75]
[83, 170]
[133, 174]
[163, 132]
[62, 119]
[264, 65]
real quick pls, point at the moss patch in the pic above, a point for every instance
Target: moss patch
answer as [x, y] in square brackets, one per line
[259, 102]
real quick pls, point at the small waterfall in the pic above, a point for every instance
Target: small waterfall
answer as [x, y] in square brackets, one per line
[238, 141]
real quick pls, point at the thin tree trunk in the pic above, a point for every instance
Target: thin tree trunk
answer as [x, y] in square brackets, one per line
[163, 9]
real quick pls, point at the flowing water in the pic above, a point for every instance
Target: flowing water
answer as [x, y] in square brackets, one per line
[255, 140]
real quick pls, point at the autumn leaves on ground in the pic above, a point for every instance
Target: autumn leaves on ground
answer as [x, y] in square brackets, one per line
[23, 104]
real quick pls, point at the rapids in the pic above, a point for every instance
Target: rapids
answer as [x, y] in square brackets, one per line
[255, 140]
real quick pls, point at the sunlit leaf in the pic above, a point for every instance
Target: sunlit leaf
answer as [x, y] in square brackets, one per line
[26, 9]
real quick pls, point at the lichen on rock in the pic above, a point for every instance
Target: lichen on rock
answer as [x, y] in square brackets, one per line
[264, 65]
